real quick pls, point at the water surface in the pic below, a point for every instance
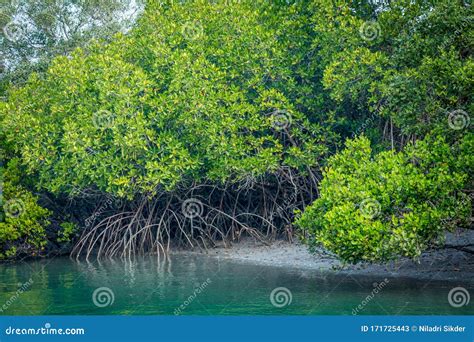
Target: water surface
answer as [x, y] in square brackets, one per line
[201, 285]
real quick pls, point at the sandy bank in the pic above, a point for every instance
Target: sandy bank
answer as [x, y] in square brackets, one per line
[445, 264]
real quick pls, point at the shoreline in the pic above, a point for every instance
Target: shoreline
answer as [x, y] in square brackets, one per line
[448, 264]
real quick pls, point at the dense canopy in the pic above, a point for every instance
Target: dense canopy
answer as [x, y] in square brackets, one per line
[244, 107]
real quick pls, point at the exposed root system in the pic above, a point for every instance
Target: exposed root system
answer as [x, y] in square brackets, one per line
[204, 216]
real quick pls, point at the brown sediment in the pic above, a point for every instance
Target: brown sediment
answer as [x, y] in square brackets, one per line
[438, 264]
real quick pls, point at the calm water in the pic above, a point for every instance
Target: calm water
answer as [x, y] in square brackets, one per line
[201, 285]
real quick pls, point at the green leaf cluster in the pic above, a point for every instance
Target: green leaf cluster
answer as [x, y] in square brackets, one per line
[23, 222]
[378, 207]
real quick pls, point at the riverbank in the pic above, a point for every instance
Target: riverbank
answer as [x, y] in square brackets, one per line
[441, 264]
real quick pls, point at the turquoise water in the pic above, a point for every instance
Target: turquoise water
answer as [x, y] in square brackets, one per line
[200, 285]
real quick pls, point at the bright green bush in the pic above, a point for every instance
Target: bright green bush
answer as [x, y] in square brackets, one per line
[67, 232]
[198, 92]
[374, 208]
[23, 222]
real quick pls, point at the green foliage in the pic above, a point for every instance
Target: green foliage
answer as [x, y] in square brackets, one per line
[214, 92]
[67, 232]
[410, 61]
[197, 92]
[374, 208]
[33, 32]
[22, 221]
[405, 65]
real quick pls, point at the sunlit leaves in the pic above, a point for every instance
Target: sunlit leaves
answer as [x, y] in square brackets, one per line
[375, 208]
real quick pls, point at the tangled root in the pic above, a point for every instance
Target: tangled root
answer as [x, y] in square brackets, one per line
[203, 216]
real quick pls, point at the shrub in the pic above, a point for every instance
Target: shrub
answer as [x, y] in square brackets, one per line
[374, 208]
[22, 221]
[67, 232]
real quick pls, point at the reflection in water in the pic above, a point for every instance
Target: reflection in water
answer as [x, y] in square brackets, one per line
[152, 285]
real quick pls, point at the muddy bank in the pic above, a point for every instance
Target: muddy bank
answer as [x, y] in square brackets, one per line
[453, 263]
